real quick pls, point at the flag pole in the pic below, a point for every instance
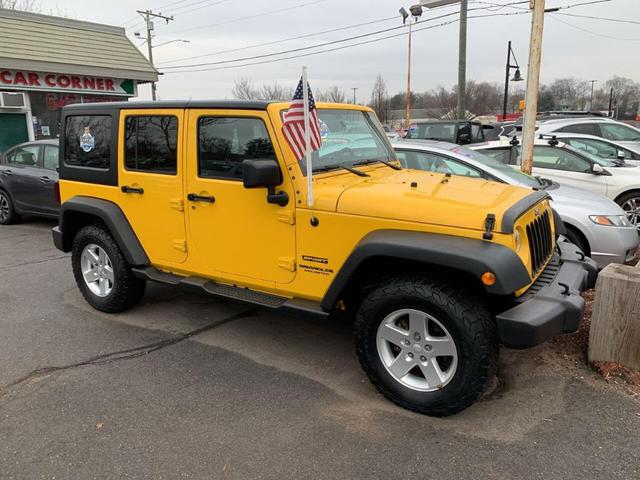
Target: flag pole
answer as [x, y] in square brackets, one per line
[307, 137]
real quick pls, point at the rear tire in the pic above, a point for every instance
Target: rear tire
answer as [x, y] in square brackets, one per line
[102, 273]
[8, 213]
[437, 370]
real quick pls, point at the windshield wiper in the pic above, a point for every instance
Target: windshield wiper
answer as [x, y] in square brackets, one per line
[374, 160]
[326, 168]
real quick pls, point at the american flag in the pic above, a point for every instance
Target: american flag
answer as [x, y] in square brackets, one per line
[293, 125]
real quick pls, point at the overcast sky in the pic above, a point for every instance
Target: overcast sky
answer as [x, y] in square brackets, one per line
[580, 47]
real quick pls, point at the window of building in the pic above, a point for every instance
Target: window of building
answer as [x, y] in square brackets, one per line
[150, 144]
[224, 142]
[87, 141]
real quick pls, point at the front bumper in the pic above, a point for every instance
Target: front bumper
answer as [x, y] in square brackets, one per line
[613, 244]
[553, 304]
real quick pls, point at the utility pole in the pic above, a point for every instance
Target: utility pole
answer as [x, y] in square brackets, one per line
[147, 14]
[533, 84]
[408, 96]
[354, 94]
[610, 114]
[591, 101]
[462, 59]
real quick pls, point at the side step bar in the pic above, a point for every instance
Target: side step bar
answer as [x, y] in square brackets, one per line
[266, 300]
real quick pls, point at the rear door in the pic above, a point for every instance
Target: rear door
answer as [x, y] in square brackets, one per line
[150, 178]
[22, 173]
[50, 166]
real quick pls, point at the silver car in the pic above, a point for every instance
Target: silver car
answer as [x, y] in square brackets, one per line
[594, 223]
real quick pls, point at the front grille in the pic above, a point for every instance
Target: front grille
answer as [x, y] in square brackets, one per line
[540, 241]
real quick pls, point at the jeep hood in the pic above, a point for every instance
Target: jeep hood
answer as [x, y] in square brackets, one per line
[433, 198]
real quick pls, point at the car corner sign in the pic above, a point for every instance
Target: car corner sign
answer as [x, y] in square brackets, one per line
[61, 82]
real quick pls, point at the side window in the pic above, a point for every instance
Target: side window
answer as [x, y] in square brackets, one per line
[51, 157]
[224, 142]
[558, 159]
[585, 128]
[503, 155]
[616, 132]
[150, 144]
[595, 147]
[24, 156]
[87, 141]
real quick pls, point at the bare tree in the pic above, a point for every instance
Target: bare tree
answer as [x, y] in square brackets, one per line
[274, 91]
[380, 99]
[23, 5]
[243, 89]
[333, 94]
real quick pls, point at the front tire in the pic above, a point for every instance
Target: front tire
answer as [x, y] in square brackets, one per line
[8, 213]
[630, 203]
[102, 273]
[425, 345]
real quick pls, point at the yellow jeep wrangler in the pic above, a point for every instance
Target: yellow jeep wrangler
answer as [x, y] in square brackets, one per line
[434, 271]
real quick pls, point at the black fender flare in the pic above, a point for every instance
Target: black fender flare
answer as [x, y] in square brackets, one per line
[465, 254]
[111, 215]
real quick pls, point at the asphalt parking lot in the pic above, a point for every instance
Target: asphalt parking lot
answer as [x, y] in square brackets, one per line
[188, 386]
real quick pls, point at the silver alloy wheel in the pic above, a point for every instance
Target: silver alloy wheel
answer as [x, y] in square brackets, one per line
[4, 207]
[417, 350]
[97, 270]
[632, 209]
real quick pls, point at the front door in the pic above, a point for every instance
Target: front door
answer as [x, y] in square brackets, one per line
[233, 232]
[567, 168]
[23, 173]
[150, 176]
[13, 130]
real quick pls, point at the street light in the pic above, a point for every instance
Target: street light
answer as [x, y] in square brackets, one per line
[516, 78]
[180, 40]
[415, 11]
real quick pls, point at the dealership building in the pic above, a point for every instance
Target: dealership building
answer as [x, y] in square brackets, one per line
[48, 62]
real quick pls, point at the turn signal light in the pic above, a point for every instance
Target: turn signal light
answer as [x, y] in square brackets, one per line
[488, 279]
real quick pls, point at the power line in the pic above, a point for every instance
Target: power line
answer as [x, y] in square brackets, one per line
[275, 42]
[207, 3]
[595, 33]
[240, 19]
[449, 22]
[283, 52]
[635, 22]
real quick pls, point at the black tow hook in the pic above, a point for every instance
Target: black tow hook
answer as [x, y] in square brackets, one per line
[565, 289]
[582, 257]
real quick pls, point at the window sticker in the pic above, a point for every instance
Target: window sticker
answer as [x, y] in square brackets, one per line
[324, 129]
[87, 142]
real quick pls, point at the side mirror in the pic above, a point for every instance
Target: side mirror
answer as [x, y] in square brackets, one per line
[264, 174]
[597, 169]
[621, 155]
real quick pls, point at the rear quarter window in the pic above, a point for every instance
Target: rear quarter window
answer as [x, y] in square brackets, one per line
[87, 141]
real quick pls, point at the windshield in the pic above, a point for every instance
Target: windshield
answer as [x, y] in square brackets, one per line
[434, 131]
[506, 170]
[348, 137]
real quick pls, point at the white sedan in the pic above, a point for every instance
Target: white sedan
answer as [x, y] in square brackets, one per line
[566, 165]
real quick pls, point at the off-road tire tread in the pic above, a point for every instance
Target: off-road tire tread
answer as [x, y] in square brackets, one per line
[128, 289]
[477, 322]
[14, 217]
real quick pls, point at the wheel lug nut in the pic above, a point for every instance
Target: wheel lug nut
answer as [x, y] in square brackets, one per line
[427, 348]
[410, 355]
[406, 342]
[416, 337]
[423, 358]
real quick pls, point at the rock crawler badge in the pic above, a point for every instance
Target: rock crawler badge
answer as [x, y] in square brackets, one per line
[87, 142]
[324, 129]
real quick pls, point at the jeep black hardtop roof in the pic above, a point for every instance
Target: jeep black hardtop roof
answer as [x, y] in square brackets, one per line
[218, 104]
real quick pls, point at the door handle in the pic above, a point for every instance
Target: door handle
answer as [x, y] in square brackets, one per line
[128, 189]
[192, 197]
[45, 179]
[7, 172]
